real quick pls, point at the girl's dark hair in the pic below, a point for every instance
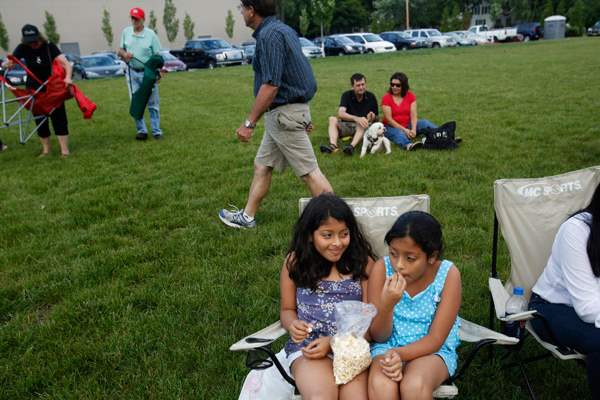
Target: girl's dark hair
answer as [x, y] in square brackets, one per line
[401, 76]
[264, 8]
[306, 265]
[593, 244]
[421, 227]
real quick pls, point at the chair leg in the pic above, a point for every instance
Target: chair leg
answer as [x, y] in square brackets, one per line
[526, 379]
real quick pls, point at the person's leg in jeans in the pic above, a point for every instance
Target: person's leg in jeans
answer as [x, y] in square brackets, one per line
[154, 111]
[134, 84]
[424, 124]
[397, 136]
[569, 330]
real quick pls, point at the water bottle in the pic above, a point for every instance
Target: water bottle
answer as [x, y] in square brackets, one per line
[515, 304]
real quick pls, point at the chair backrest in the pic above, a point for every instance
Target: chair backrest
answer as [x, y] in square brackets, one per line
[530, 211]
[376, 215]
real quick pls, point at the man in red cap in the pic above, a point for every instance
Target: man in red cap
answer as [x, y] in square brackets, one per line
[138, 44]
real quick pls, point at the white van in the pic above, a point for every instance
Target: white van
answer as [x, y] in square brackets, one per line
[372, 42]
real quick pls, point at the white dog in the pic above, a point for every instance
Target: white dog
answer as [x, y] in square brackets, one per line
[373, 140]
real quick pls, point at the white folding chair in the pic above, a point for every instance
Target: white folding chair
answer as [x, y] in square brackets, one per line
[529, 213]
[375, 216]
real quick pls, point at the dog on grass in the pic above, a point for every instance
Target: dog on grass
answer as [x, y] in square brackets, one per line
[374, 140]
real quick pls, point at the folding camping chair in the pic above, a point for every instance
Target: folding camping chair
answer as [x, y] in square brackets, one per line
[270, 372]
[529, 213]
[25, 101]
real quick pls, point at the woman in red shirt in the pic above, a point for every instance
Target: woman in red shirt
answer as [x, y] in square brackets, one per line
[399, 107]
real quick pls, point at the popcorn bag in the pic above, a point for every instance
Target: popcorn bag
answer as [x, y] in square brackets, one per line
[351, 351]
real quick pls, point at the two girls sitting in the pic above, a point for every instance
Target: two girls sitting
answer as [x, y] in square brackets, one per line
[417, 294]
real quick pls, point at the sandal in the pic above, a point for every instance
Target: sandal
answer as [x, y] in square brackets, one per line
[332, 148]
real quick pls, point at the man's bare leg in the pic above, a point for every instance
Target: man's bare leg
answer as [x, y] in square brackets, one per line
[357, 138]
[261, 182]
[317, 183]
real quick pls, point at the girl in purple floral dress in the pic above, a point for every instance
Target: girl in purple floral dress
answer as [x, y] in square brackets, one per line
[328, 262]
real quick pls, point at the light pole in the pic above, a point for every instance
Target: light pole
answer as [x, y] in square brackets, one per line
[407, 2]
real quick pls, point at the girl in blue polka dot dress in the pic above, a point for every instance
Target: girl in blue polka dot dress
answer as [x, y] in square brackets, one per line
[417, 295]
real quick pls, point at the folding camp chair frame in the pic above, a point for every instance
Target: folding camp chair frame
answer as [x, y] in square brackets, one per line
[26, 104]
[260, 354]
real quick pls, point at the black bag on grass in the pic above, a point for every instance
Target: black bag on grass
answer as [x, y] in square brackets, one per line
[440, 138]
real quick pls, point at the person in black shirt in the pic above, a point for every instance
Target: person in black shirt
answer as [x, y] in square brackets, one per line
[38, 55]
[358, 110]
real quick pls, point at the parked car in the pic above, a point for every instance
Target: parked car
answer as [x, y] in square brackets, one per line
[97, 66]
[112, 55]
[72, 58]
[495, 35]
[594, 30]
[373, 43]
[530, 31]
[309, 49]
[337, 45]
[172, 63]
[461, 38]
[249, 48]
[433, 36]
[15, 76]
[404, 41]
[209, 53]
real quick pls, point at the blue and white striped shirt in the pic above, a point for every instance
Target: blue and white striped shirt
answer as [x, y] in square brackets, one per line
[279, 61]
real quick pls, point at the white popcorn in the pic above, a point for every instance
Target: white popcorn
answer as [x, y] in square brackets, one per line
[351, 356]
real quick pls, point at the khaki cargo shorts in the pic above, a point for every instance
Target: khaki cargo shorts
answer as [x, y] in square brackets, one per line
[346, 128]
[286, 142]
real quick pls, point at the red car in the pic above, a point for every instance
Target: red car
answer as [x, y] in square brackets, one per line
[172, 63]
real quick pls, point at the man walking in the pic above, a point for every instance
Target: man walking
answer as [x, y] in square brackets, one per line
[283, 86]
[138, 44]
[358, 110]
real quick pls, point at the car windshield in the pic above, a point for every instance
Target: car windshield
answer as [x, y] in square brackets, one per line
[99, 61]
[168, 56]
[404, 35]
[356, 39]
[597, 24]
[372, 38]
[305, 42]
[434, 32]
[343, 40]
[215, 44]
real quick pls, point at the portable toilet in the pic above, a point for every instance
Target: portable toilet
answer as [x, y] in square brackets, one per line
[554, 27]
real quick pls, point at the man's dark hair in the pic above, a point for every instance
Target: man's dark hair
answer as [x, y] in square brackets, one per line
[357, 77]
[264, 8]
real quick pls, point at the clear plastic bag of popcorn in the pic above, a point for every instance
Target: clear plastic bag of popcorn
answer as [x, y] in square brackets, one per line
[351, 351]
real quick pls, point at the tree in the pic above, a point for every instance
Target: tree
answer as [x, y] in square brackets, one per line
[561, 8]
[107, 28]
[188, 27]
[50, 29]
[304, 21]
[389, 14]
[577, 16]
[3, 35]
[548, 10]
[229, 24]
[152, 21]
[445, 25]
[349, 15]
[170, 22]
[322, 11]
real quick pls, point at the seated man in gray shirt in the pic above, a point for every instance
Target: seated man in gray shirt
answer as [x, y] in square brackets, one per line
[358, 110]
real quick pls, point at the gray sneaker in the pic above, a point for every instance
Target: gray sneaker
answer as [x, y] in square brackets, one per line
[414, 145]
[235, 219]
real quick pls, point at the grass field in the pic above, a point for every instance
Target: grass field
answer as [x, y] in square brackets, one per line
[117, 280]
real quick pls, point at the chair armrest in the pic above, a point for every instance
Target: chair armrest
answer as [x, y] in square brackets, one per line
[522, 316]
[499, 296]
[473, 333]
[261, 338]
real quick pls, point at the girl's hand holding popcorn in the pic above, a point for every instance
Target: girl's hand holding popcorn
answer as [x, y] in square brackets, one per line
[300, 330]
[393, 289]
[318, 348]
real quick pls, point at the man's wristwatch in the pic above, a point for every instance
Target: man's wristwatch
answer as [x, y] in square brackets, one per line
[249, 125]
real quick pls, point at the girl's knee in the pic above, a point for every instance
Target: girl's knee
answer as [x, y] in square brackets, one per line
[379, 385]
[414, 387]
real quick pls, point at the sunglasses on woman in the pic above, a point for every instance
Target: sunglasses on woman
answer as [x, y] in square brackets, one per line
[396, 85]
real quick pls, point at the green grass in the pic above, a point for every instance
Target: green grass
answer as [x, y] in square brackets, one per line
[117, 280]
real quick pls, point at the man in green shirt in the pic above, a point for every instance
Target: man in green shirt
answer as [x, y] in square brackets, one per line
[138, 44]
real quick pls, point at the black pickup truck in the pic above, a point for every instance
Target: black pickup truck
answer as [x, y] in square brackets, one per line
[209, 53]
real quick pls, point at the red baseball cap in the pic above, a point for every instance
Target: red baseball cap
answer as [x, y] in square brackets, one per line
[137, 13]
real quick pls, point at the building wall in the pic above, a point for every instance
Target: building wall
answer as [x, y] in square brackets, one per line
[81, 20]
